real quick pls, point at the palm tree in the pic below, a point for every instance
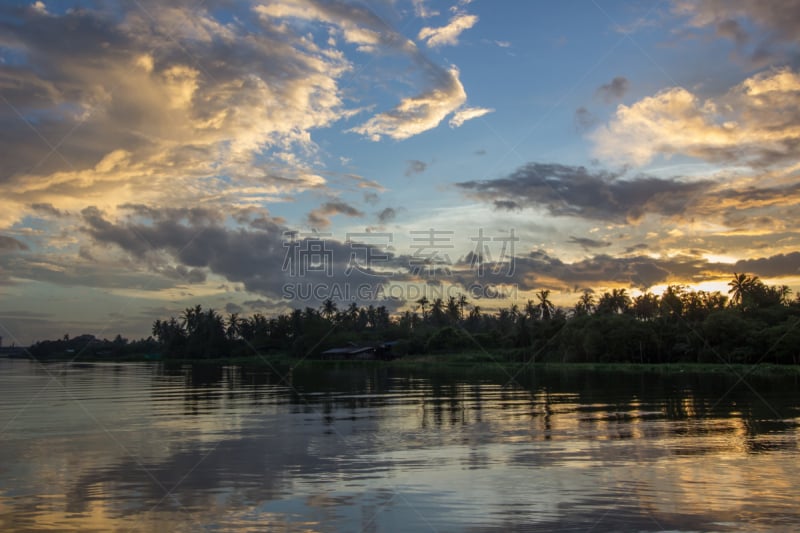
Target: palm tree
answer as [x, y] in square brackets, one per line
[672, 301]
[191, 318]
[352, 312]
[328, 309]
[621, 299]
[616, 302]
[585, 304]
[453, 309]
[475, 312]
[234, 326]
[741, 286]
[645, 306]
[545, 305]
[784, 292]
[422, 302]
[462, 303]
[531, 310]
[437, 311]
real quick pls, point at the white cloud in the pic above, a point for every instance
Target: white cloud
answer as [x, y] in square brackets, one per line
[423, 11]
[448, 35]
[221, 113]
[416, 114]
[468, 113]
[756, 122]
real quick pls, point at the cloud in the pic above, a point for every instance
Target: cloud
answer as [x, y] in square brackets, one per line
[11, 244]
[614, 90]
[733, 30]
[447, 35]
[224, 111]
[48, 209]
[264, 260]
[320, 217]
[415, 166]
[584, 118]
[387, 215]
[468, 113]
[423, 11]
[443, 93]
[128, 122]
[231, 307]
[539, 269]
[774, 266]
[586, 243]
[779, 22]
[565, 190]
[757, 123]
[636, 247]
[416, 114]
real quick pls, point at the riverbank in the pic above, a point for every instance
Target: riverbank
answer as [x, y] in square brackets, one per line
[478, 361]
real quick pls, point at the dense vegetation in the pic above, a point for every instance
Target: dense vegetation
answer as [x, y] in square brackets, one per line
[756, 323]
[90, 347]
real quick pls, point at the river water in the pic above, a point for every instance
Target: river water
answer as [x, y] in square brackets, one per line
[141, 447]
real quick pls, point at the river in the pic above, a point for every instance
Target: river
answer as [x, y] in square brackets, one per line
[144, 447]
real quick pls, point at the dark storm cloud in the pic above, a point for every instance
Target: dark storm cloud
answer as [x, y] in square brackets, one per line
[414, 166]
[265, 261]
[733, 30]
[614, 90]
[539, 269]
[575, 191]
[193, 215]
[320, 217]
[231, 307]
[10, 243]
[636, 247]
[508, 205]
[586, 243]
[774, 266]
[387, 215]
[48, 209]
[779, 23]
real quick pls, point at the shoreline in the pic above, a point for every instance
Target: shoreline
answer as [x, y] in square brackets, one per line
[460, 361]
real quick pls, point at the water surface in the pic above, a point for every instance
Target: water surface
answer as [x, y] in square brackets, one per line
[99, 447]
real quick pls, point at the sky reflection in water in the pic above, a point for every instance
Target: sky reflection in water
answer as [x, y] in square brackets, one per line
[140, 447]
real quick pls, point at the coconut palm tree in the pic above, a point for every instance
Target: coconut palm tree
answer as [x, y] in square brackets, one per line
[741, 286]
[462, 303]
[191, 317]
[422, 302]
[328, 309]
[234, 326]
[585, 304]
[437, 311]
[453, 310]
[545, 306]
[645, 306]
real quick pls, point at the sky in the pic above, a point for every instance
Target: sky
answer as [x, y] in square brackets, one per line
[267, 155]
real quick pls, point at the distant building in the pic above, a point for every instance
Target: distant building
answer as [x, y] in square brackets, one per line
[353, 351]
[350, 352]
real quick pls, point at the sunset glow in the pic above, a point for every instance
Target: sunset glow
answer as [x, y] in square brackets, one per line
[161, 155]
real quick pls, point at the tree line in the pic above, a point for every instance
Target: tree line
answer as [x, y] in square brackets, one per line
[754, 322]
